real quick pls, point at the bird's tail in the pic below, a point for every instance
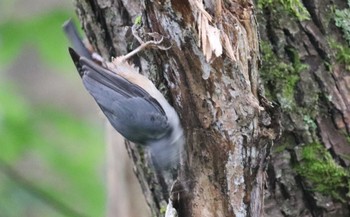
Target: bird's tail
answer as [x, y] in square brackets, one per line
[166, 152]
[73, 36]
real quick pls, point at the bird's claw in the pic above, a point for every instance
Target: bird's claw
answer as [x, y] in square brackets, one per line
[157, 38]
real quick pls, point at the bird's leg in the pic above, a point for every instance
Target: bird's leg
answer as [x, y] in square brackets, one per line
[158, 39]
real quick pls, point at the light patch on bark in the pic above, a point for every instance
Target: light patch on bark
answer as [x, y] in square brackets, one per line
[235, 181]
[175, 32]
[206, 67]
[207, 199]
[170, 210]
[242, 53]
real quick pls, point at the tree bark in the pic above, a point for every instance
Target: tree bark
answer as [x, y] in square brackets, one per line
[210, 74]
[221, 172]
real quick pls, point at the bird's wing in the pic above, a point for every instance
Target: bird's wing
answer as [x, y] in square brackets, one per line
[128, 107]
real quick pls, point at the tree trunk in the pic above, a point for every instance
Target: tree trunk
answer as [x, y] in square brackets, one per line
[304, 71]
[210, 74]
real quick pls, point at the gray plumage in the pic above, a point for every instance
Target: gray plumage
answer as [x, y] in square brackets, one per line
[72, 34]
[130, 101]
[132, 111]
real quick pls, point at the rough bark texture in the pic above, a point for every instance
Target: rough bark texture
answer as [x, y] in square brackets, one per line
[227, 135]
[304, 74]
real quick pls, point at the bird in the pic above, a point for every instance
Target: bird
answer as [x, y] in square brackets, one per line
[130, 101]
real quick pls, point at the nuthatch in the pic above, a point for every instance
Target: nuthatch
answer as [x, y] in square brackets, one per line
[130, 101]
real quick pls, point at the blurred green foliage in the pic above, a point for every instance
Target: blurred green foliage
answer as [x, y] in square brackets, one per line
[57, 158]
[70, 149]
[42, 31]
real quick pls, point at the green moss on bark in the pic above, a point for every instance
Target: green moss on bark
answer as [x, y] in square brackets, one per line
[342, 20]
[341, 53]
[280, 75]
[325, 175]
[292, 7]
